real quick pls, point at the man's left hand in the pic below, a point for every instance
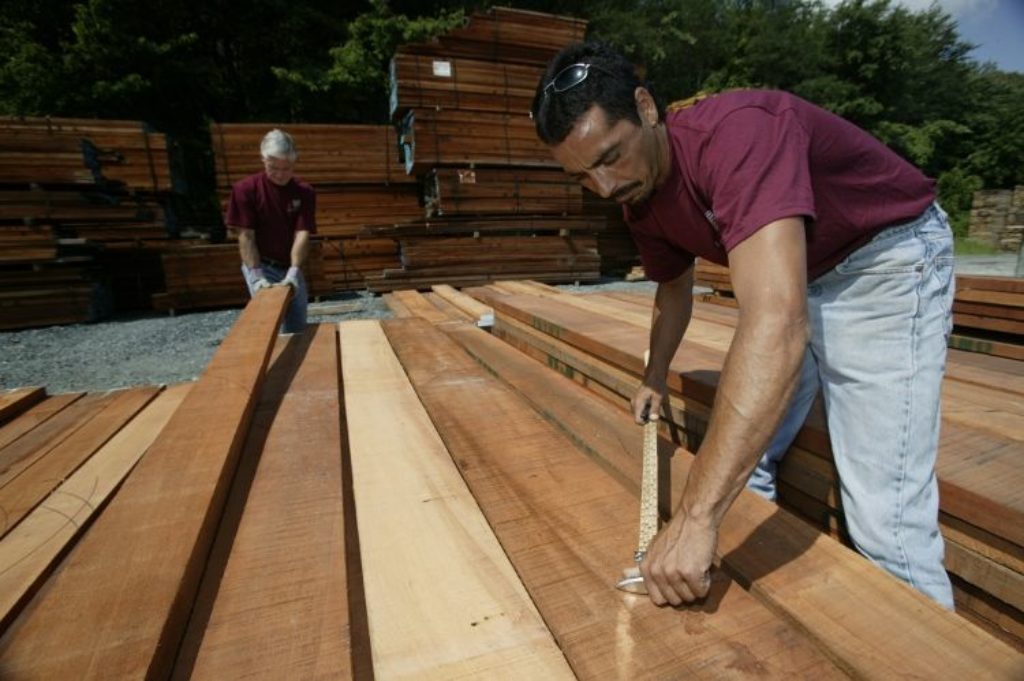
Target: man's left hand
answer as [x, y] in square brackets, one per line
[677, 567]
[291, 278]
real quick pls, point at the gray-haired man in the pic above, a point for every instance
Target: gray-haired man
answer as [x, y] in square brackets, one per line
[273, 213]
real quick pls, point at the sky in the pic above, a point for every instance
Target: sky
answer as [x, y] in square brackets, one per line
[995, 26]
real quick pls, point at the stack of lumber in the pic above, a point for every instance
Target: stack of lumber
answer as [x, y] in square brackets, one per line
[988, 312]
[496, 191]
[328, 154]
[506, 35]
[83, 195]
[462, 261]
[198, 275]
[446, 540]
[83, 151]
[421, 82]
[452, 137]
[463, 106]
[600, 340]
[988, 315]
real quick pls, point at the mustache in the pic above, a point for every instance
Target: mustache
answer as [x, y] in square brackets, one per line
[625, 191]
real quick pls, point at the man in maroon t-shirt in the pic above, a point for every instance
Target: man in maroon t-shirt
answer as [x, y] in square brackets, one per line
[841, 262]
[273, 213]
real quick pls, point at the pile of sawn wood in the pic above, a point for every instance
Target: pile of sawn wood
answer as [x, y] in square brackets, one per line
[417, 498]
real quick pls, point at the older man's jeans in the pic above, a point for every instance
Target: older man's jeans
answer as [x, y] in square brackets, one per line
[295, 315]
[880, 321]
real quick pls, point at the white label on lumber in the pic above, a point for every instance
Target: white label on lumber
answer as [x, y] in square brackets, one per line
[442, 69]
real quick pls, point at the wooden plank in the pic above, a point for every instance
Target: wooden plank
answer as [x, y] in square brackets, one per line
[280, 608]
[31, 549]
[482, 314]
[443, 600]
[569, 526]
[34, 416]
[132, 578]
[28, 483]
[806, 577]
[14, 402]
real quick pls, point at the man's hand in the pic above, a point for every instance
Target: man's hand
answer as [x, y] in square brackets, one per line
[257, 281]
[291, 278]
[647, 401]
[677, 568]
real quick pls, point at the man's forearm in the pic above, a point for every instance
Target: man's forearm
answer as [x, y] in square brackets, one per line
[300, 248]
[247, 249]
[673, 304]
[758, 379]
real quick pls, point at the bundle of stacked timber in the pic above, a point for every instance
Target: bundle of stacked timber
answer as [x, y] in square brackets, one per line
[486, 560]
[599, 340]
[505, 35]
[419, 81]
[51, 151]
[988, 315]
[198, 275]
[707, 274]
[498, 191]
[450, 137]
[329, 154]
[463, 104]
[83, 196]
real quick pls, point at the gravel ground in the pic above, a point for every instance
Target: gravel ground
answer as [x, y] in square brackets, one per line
[151, 349]
[161, 349]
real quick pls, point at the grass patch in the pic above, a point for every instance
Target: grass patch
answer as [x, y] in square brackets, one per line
[964, 246]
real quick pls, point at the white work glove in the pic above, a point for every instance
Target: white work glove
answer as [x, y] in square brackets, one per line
[259, 282]
[292, 278]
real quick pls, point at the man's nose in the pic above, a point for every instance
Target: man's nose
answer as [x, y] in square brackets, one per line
[604, 186]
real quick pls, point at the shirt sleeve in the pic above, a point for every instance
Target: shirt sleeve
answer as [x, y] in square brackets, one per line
[757, 171]
[241, 209]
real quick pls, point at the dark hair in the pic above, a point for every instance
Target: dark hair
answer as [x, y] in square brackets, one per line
[611, 83]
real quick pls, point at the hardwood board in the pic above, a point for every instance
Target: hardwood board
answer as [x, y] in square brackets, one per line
[784, 562]
[442, 599]
[14, 402]
[36, 415]
[143, 558]
[280, 609]
[31, 549]
[570, 528]
[20, 492]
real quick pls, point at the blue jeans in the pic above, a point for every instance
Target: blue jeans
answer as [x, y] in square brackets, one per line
[295, 315]
[880, 321]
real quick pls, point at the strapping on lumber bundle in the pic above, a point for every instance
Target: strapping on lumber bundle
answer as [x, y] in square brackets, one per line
[505, 35]
[83, 151]
[494, 191]
[419, 81]
[449, 137]
[328, 154]
[599, 340]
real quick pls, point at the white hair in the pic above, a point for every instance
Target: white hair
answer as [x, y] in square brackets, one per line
[278, 144]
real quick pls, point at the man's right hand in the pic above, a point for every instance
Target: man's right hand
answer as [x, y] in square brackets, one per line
[647, 401]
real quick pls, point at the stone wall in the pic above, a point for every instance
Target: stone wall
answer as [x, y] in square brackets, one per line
[997, 218]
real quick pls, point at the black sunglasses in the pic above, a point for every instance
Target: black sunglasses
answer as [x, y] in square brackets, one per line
[568, 78]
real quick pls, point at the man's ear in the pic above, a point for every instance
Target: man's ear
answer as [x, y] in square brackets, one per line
[646, 107]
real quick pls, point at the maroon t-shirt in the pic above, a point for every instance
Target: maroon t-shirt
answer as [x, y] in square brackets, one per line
[274, 212]
[741, 160]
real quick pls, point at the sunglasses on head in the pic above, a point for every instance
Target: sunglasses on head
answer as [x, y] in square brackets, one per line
[568, 78]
